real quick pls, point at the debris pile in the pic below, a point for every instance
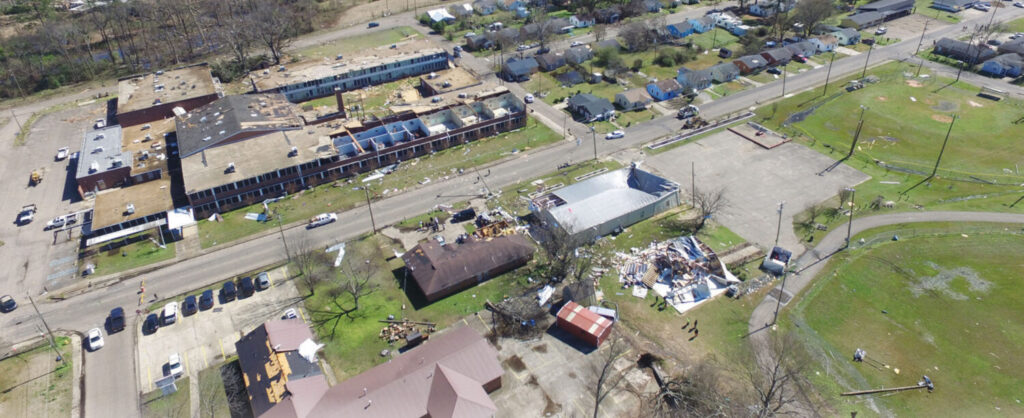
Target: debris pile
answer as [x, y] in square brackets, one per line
[682, 270]
[396, 331]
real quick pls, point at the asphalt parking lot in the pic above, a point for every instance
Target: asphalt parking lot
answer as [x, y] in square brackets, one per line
[755, 181]
[207, 337]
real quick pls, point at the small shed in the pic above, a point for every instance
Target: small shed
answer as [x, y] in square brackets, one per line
[584, 324]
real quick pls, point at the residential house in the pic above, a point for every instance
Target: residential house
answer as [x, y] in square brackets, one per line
[823, 29]
[522, 12]
[665, 89]
[888, 7]
[506, 37]
[1015, 46]
[633, 99]
[578, 54]
[443, 270]
[281, 372]
[582, 20]
[680, 30]
[484, 7]
[694, 80]
[510, 5]
[570, 78]
[462, 10]
[750, 64]
[825, 43]
[863, 20]
[550, 61]
[608, 15]
[478, 43]
[847, 36]
[1006, 65]
[724, 72]
[588, 107]
[529, 31]
[440, 15]
[558, 25]
[609, 43]
[805, 48]
[963, 51]
[952, 5]
[652, 6]
[730, 22]
[777, 56]
[769, 8]
[519, 69]
[702, 24]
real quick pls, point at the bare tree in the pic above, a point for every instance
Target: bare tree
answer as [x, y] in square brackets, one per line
[600, 32]
[695, 394]
[274, 25]
[812, 12]
[774, 376]
[637, 36]
[211, 396]
[608, 379]
[356, 280]
[559, 247]
[707, 203]
[313, 263]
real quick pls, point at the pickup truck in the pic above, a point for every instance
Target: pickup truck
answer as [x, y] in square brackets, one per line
[61, 221]
[62, 153]
[27, 214]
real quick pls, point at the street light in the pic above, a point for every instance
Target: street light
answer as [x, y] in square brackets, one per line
[778, 230]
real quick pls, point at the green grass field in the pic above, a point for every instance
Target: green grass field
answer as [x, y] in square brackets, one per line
[356, 44]
[175, 405]
[354, 346]
[945, 305]
[133, 255]
[33, 384]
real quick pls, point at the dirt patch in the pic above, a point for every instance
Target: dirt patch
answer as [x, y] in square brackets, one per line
[914, 83]
[533, 381]
[882, 98]
[942, 282]
[541, 348]
[515, 363]
[572, 375]
[884, 138]
[974, 103]
[942, 118]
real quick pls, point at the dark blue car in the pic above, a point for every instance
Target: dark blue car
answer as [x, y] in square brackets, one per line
[151, 324]
[116, 320]
[228, 292]
[189, 307]
[206, 300]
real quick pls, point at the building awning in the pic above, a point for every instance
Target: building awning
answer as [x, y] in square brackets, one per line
[180, 217]
[124, 232]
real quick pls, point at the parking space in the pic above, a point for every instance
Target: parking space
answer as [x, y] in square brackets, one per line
[207, 337]
[755, 180]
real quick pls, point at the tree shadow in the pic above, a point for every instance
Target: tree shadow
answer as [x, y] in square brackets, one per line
[412, 291]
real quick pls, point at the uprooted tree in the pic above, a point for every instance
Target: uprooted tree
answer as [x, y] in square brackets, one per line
[696, 393]
[518, 317]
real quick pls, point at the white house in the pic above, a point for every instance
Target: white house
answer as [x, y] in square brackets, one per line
[582, 21]
[440, 15]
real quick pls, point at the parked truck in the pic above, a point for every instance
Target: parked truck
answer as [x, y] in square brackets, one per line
[688, 112]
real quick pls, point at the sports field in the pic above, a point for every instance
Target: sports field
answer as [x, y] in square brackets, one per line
[946, 304]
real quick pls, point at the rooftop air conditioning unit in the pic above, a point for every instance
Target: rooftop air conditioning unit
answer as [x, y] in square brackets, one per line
[100, 136]
[207, 138]
[156, 102]
[97, 150]
[202, 119]
[281, 68]
[146, 126]
[116, 163]
[130, 209]
[230, 169]
[294, 151]
[94, 167]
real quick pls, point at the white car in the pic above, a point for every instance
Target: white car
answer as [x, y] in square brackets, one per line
[61, 220]
[576, 43]
[95, 339]
[322, 219]
[62, 153]
[1018, 4]
[881, 30]
[290, 314]
[174, 366]
[528, 98]
[615, 135]
[170, 313]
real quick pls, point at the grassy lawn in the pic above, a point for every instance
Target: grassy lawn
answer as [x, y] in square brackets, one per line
[1015, 25]
[626, 119]
[720, 37]
[725, 89]
[353, 345]
[546, 83]
[327, 198]
[33, 384]
[414, 222]
[356, 44]
[937, 304]
[924, 8]
[175, 405]
[133, 255]
[908, 133]
[214, 401]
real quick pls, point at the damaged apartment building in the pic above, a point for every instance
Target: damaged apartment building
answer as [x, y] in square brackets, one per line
[241, 150]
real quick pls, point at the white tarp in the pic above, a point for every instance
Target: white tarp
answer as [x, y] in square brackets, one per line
[308, 350]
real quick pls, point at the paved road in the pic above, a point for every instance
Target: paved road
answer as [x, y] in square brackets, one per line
[811, 262]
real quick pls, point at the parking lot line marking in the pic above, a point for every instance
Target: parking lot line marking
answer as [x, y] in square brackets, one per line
[481, 320]
[202, 352]
[187, 367]
[222, 356]
[149, 378]
[302, 315]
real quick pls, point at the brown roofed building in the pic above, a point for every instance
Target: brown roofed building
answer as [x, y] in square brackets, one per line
[441, 270]
[584, 324]
[281, 381]
[149, 97]
[448, 376]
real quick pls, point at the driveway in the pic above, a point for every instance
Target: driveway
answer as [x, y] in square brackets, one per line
[755, 181]
[208, 337]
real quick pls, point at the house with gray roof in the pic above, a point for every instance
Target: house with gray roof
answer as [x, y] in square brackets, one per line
[633, 99]
[550, 61]
[777, 56]
[693, 80]
[724, 72]
[519, 69]
[578, 54]
[1006, 65]
[750, 64]
[805, 48]
[963, 51]
[847, 36]
[589, 108]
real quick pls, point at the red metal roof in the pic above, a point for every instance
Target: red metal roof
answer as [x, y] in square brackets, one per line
[585, 320]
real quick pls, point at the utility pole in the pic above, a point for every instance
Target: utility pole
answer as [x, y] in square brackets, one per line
[778, 300]
[778, 229]
[369, 207]
[943, 149]
[593, 134]
[868, 58]
[283, 240]
[16, 120]
[829, 73]
[693, 184]
[53, 342]
[784, 80]
[849, 226]
[920, 42]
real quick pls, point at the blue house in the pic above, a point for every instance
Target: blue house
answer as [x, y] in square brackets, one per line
[1006, 65]
[702, 24]
[522, 12]
[680, 30]
[665, 89]
[511, 4]
[693, 79]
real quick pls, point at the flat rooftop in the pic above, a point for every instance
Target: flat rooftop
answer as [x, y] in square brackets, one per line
[449, 80]
[147, 145]
[272, 78]
[230, 116]
[430, 104]
[149, 198]
[143, 91]
[101, 151]
[254, 156]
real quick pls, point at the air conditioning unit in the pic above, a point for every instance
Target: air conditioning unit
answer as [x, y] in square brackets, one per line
[230, 169]
[146, 126]
[294, 152]
[130, 209]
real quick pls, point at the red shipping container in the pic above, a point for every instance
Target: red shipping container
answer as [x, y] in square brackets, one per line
[584, 324]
